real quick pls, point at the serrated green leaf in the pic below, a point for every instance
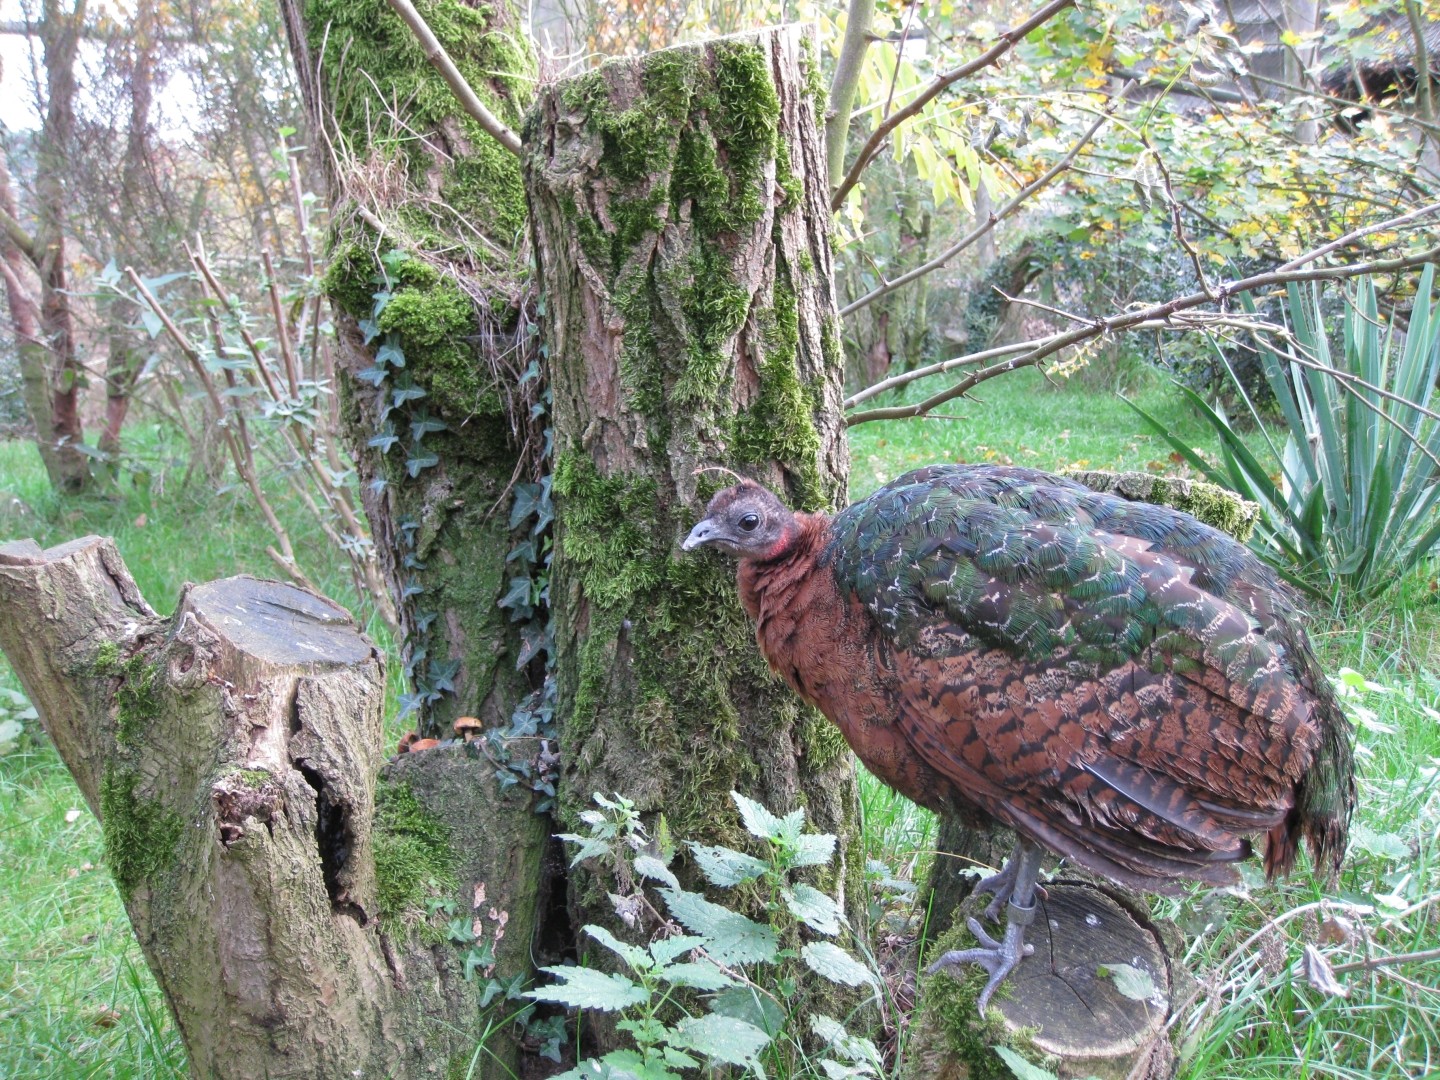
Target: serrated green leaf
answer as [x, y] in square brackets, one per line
[697, 976]
[1022, 1069]
[667, 949]
[590, 847]
[733, 939]
[725, 866]
[836, 1071]
[1135, 983]
[647, 866]
[862, 1052]
[585, 988]
[721, 1038]
[748, 1004]
[813, 849]
[633, 955]
[758, 820]
[834, 963]
[813, 908]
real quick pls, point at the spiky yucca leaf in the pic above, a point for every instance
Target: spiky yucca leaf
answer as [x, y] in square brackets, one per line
[1355, 505]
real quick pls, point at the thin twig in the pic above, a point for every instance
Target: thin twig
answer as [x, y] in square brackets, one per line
[996, 216]
[464, 93]
[1004, 44]
[1386, 961]
[1131, 320]
[1177, 221]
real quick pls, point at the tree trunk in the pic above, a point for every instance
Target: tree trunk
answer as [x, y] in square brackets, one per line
[65, 431]
[437, 445]
[683, 237]
[230, 753]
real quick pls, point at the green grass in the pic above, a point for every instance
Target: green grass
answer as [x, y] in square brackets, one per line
[69, 965]
[1024, 419]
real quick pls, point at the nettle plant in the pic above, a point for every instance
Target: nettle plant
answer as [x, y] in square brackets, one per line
[714, 985]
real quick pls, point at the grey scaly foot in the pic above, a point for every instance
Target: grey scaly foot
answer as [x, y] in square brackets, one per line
[999, 958]
[1000, 886]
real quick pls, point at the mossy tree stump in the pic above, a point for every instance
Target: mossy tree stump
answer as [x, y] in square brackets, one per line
[680, 219]
[231, 754]
[1062, 1009]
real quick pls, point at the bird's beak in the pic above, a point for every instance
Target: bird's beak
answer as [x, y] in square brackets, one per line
[704, 530]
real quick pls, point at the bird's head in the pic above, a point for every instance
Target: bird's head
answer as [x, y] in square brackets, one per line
[745, 520]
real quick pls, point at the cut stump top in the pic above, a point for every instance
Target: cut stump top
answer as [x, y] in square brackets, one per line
[1080, 1013]
[278, 623]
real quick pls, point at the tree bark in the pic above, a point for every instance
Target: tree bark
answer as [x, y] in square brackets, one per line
[679, 204]
[65, 432]
[230, 753]
[438, 501]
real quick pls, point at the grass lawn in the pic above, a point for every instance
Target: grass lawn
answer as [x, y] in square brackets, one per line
[77, 1001]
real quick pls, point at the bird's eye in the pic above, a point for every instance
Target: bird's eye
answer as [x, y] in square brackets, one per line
[750, 522]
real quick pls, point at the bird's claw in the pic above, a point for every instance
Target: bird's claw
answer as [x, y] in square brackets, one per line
[999, 958]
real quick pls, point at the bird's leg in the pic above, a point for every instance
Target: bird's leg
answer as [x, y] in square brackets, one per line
[1001, 884]
[1002, 957]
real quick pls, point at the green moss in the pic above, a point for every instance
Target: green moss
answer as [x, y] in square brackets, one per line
[435, 325]
[414, 859]
[141, 834]
[610, 529]
[823, 743]
[781, 423]
[347, 278]
[373, 60]
[1221, 509]
[136, 695]
[805, 262]
[949, 1002]
[745, 120]
[254, 778]
[814, 77]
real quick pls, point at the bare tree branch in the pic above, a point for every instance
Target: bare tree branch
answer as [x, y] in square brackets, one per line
[1142, 318]
[464, 93]
[996, 216]
[1006, 42]
[843, 83]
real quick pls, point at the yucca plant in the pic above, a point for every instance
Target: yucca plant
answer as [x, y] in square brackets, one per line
[1349, 503]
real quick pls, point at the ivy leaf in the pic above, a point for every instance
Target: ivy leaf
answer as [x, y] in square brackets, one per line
[518, 595]
[633, 955]
[647, 866]
[402, 394]
[1022, 1069]
[813, 908]
[724, 866]
[734, 939]
[385, 440]
[417, 463]
[423, 424]
[527, 498]
[834, 963]
[389, 354]
[721, 1038]
[585, 988]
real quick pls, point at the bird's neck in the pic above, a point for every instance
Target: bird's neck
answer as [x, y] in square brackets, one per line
[785, 565]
